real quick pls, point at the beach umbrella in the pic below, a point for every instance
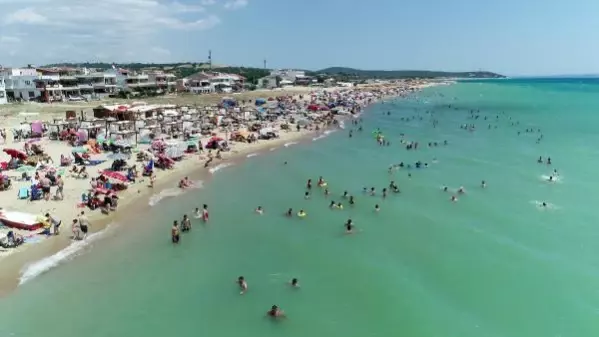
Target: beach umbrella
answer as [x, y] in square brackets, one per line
[174, 152]
[119, 156]
[115, 176]
[215, 139]
[302, 122]
[16, 153]
[25, 168]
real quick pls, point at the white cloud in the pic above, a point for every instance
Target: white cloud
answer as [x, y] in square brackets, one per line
[26, 16]
[105, 27]
[9, 40]
[236, 4]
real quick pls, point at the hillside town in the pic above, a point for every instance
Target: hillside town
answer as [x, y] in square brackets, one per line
[70, 84]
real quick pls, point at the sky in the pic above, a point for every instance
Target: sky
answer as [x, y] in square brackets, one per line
[512, 37]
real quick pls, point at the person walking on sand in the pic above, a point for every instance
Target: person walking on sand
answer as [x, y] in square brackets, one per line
[76, 229]
[59, 191]
[83, 224]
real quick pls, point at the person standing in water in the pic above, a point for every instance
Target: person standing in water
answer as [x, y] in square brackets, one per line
[294, 283]
[175, 233]
[205, 213]
[242, 284]
[185, 223]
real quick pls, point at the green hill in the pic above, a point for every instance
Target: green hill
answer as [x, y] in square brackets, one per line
[398, 74]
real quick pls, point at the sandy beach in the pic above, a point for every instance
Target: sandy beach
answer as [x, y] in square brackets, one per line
[138, 195]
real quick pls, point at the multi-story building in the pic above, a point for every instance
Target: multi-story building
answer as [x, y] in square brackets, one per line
[20, 83]
[164, 81]
[205, 82]
[58, 84]
[3, 99]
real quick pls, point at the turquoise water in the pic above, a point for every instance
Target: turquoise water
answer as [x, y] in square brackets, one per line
[492, 264]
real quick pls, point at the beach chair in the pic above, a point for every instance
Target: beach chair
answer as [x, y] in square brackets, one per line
[36, 193]
[23, 193]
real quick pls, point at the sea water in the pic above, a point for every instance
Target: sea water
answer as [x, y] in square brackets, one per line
[492, 264]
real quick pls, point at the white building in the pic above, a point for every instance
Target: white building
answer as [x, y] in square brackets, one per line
[3, 99]
[205, 82]
[20, 83]
[289, 74]
[153, 81]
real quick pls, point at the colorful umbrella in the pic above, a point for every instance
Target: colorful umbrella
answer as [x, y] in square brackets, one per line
[25, 168]
[16, 153]
[79, 149]
[115, 176]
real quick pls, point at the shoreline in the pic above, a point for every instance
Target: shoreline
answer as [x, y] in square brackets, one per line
[15, 263]
[138, 197]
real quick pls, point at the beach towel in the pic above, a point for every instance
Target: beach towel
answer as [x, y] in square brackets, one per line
[94, 162]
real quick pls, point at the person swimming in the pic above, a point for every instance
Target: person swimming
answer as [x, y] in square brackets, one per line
[197, 212]
[550, 179]
[307, 195]
[349, 227]
[289, 212]
[275, 312]
[454, 198]
[372, 191]
[548, 160]
[461, 190]
[326, 192]
[544, 204]
[294, 283]
[540, 160]
[365, 190]
[351, 200]
[321, 182]
[339, 205]
[332, 205]
[377, 208]
[259, 210]
[301, 213]
[384, 192]
[344, 194]
[242, 284]
[309, 184]
[483, 184]
[445, 188]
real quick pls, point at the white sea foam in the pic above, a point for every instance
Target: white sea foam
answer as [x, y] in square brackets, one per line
[319, 137]
[73, 250]
[289, 144]
[219, 167]
[173, 192]
[556, 178]
[341, 125]
[273, 148]
[539, 204]
[251, 155]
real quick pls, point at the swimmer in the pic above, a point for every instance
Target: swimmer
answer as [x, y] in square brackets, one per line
[309, 184]
[289, 212]
[332, 205]
[548, 160]
[550, 179]
[349, 227]
[384, 192]
[344, 194]
[339, 205]
[544, 204]
[377, 208]
[321, 182]
[307, 195]
[275, 312]
[454, 198]
[294, 283]
[197, 212]
[540, 160]
[461, 190]
[372, 191]
[259, 210]
[301, 213]
[483, 184]
[365, 190]
[445, 189]
[242, 284]
[351, 200]
[326, 192]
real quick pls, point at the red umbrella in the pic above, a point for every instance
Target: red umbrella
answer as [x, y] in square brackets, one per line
[313, 107]
[215, 139]
[121, 108]
[118, 176]
[16, 154]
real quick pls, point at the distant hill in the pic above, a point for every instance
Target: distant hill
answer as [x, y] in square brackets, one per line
[398, 74]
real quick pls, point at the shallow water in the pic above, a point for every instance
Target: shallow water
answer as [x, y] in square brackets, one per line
[491, 264]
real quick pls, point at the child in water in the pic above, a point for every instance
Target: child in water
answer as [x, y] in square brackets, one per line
[377, 208]
[259, 210]
[294, 283]
[289, 212]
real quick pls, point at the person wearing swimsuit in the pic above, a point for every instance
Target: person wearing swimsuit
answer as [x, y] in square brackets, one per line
[175, 233]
